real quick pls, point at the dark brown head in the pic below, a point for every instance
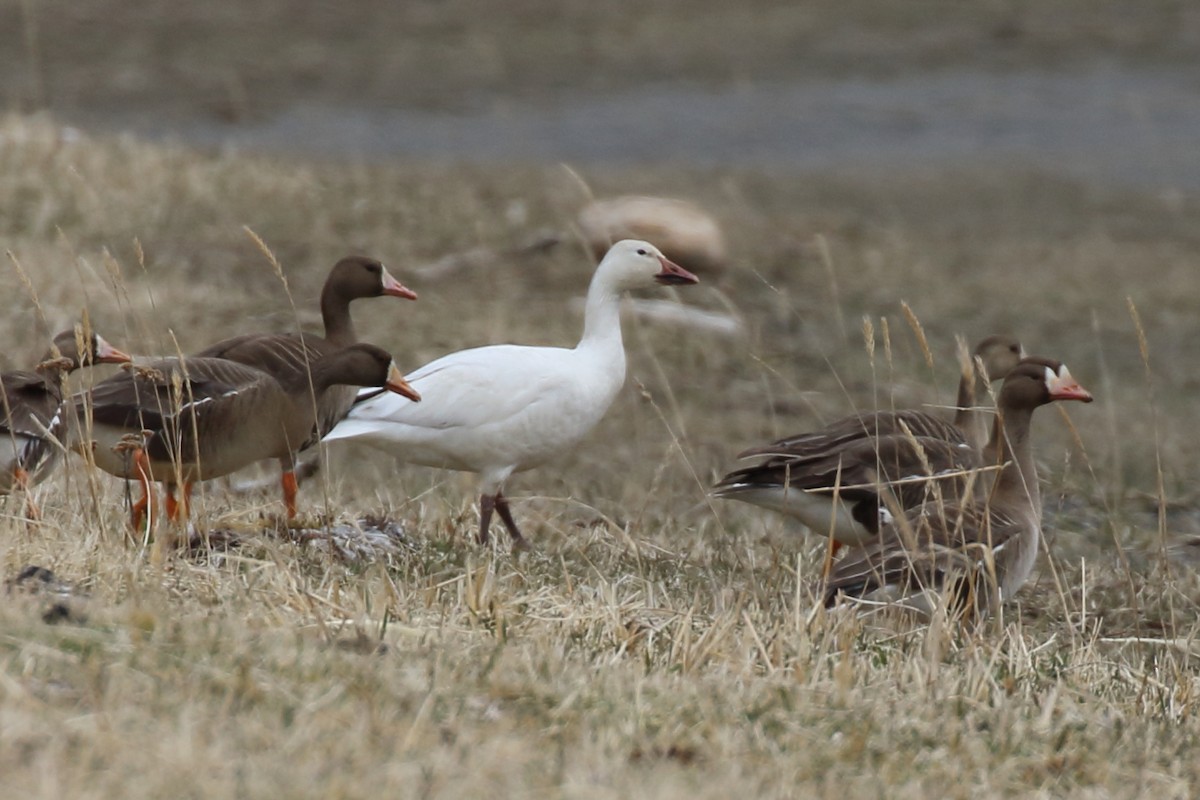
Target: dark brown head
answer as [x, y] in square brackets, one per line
[1036, 381]
[999, 354]
[363, 365]
[359, 276]
[74, 348]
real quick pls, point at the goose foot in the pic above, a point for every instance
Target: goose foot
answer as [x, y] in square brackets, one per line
[499, 503]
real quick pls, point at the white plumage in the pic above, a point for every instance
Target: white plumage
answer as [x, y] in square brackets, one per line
[507, 408]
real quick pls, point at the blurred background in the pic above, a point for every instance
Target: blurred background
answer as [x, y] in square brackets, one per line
[1100, 90]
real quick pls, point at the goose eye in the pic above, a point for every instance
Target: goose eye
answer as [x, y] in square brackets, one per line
[642, 251]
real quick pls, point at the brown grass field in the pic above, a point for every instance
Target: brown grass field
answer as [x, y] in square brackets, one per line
[655, 643]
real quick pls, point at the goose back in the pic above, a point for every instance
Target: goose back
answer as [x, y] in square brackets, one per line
[31, 403]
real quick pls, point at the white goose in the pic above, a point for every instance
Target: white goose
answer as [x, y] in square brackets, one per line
[507, 408]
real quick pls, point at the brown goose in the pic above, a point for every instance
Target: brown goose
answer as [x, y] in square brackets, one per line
[351, 278]
[976, 554]
[855, 455]
[31, 402]
[202, 418]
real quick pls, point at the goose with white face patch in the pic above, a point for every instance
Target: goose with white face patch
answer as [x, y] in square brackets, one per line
[503, 409]
[178, 421]
[31, 408]
[972, 555]
[857, 456]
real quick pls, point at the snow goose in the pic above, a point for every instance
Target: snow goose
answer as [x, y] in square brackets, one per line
[974, 554]
[856, 455]
[31, 402]
[507, 408]
[200, 418]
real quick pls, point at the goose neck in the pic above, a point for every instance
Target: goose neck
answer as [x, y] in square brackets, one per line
[602, 316]
[335, 314]
[1017, 482]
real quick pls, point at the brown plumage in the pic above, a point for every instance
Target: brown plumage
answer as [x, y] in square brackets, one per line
[201, 418]
[31, 401]
[856, 455]
[975, 553]
[351, 278]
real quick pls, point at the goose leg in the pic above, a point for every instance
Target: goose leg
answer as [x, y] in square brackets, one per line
[139, 509]
[519, 541]
[290, 487]
[830, 552]
[487, 503]
[177, 509]
[21, 479]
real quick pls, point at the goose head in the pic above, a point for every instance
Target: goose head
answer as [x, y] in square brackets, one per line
[359, 276]
[1036, 381]
[634, 264]
[363, 365]
[999, 355]
[77, 347]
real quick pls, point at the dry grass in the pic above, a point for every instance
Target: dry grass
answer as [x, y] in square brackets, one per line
[653, 645]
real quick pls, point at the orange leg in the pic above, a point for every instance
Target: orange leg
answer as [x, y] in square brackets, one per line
[21, 479]
[178, 509]
[141, 467]
[830, 552]
[290, 487]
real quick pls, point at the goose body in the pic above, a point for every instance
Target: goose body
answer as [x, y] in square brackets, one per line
[918, 455]
[31, 403]
[502, 409]
[973, 553]
[684, 232]
[200, 418]
[351, 278]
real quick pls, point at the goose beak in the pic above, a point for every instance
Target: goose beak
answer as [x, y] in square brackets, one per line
[107, 354]
[396, 383]
[674, 275]
[1064, 387]
[395, 288]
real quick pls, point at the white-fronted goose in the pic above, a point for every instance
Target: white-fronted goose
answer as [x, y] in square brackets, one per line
[30, 401]
[507, 408]
[350, 279]
[201, 418]
[859, 454]
[973, 553]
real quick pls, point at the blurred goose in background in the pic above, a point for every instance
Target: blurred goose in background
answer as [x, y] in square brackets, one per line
[974, 554]
[178, 421]
[31, 402]
[507, 408]
[684, 233]
[350, 279]
[856, 455]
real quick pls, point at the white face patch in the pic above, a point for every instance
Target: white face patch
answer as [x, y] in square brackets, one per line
[1055, 378]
